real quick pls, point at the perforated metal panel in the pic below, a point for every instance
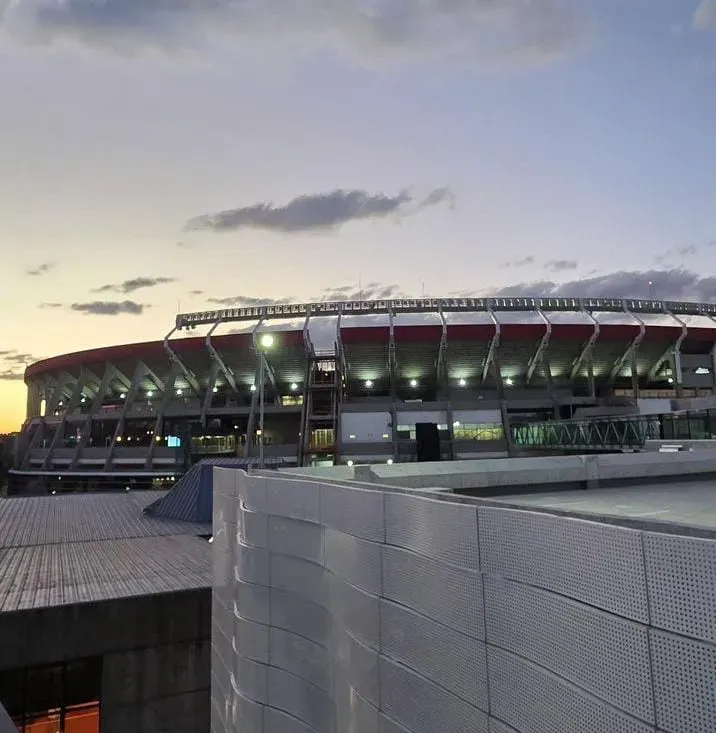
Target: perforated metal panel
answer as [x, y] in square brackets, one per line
[442, 592]
[424, 707]
[435, 651]
[681, 572]
[368, 622]
[436, 529]
[280, 722]
[353, 713]
[295, 614]
[291, 537]
[355, 560]
[300, 577]
[497, 726]
[252, 602]
[251, 640]
[599, 564]
[302, 657]
[294, 499]
[300, 699]
[356, 512]
[355, 610]
[684, 683]
[600, 652]
[529, 698]
[252, 528]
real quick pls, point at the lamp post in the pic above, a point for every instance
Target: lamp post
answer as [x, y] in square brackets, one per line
[265, 343]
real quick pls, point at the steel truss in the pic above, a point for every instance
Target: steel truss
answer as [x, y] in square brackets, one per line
[617, 433]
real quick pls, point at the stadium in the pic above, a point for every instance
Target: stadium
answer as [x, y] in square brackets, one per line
[363, 381]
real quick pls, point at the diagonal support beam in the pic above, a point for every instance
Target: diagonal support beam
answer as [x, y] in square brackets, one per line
[490, 359]
[588, 347]
[218, 359]
[630, 351]
[537, 358]
[174, 358]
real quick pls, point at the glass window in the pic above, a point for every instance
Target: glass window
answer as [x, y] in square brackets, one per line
[56, 699]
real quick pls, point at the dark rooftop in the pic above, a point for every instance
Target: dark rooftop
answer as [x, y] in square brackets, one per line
[75, 548]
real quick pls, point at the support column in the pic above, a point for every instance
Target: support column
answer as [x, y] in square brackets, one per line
[110, 372]
[140, 372]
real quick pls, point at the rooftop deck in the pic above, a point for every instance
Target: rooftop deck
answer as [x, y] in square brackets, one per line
[60, 550]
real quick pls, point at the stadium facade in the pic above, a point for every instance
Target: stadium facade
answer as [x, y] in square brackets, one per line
[322, 383]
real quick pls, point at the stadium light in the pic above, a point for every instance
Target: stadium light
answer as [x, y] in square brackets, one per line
[368, 383]
[462, 381]
[509, 381]
[253, 387]
[215, 389]
[178, 392]
[266, 341]
[413, 383]
[294, 386]
[150, 394]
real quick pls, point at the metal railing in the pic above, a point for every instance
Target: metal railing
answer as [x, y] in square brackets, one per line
[614, 433]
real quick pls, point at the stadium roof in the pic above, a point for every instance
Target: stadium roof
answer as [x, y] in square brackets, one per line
[77, 548]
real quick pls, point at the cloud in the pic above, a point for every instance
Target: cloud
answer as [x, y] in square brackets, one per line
[41, 269]
[12, 363]
[677, 284]
[196, 292]
[247, 301]
[319, 212]
[560, 265]
[109, 308]
[369, 291]
[523, 262]
[482, 32]
[704, 17]
[8, 375]
[137, 283]
[676, 253]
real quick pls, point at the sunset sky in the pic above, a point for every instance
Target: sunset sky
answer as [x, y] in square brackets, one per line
[155, 159]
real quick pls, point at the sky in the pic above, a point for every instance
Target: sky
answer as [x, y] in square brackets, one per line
[165, 155]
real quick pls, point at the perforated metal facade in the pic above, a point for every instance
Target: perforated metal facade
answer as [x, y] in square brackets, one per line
[338, 609]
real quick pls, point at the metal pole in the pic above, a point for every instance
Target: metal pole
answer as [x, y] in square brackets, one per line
[262, 387]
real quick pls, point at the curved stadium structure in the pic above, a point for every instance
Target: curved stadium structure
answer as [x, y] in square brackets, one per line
[350, 381]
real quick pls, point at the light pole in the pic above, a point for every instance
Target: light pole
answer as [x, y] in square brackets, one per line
[265, 343]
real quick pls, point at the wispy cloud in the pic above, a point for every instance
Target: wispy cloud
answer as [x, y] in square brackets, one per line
[318, 212]
[369, 291]
[9, 375]
[677, 254]
[521, 262]
[137, 283]
[41, 269]
[677, 284]
[478, 32]
[109, 308]
[247, 301]
[560, 265]
[12, 363]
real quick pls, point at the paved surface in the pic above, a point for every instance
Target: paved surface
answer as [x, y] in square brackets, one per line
[687, 504]
[57, 550]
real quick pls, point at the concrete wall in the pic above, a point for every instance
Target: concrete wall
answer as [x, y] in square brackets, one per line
[155, 655]
[345, 610]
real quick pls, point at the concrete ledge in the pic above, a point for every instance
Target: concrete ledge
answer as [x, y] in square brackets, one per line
[524, 474]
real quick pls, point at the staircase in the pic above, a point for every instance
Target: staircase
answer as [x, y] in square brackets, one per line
[320, 429]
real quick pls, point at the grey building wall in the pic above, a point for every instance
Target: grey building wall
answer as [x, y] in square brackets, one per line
[339, 609]
[155, 653]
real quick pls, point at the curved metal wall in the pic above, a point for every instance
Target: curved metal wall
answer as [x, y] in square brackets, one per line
[344, 610]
